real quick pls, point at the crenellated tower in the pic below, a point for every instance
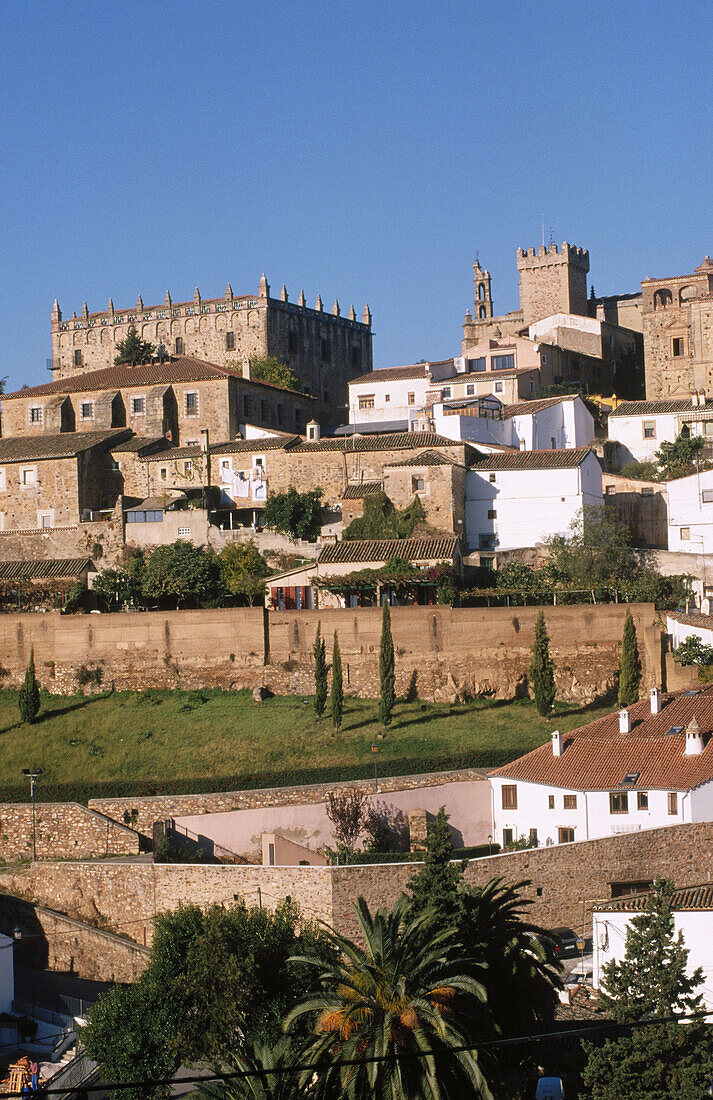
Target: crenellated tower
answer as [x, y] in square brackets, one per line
[552, 280]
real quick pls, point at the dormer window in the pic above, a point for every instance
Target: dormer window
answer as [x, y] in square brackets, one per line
[138, 406]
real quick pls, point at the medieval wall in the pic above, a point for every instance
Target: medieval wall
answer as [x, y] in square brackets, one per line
[564, 881]
[442, 653]
[62, 830]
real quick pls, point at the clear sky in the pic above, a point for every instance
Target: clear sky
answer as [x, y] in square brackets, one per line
[362, 150]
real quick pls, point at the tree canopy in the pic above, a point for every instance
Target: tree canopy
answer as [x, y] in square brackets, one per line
[133, 350]
[679, 458]
[181, 572]
[298, 515]
[243, 570]
[269, 368]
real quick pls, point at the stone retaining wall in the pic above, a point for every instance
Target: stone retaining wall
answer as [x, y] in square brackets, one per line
[63, 830]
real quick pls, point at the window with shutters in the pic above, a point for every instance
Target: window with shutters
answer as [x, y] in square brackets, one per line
[509, 796]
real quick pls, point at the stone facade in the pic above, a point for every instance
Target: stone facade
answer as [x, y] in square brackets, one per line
[101, 540]
[53, 941]
[678, 333]
[324, 349]
[563, 882]
[440, 487]
[641, 505]
[62, 830]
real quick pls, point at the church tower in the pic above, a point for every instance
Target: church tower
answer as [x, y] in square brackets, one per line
[483, 294]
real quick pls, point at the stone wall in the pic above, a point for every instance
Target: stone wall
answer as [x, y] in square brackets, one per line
[564, 881]
[645, 514]
[53, 941]
[74, 541]
[145, 811]
[63, 830]
[442, 653]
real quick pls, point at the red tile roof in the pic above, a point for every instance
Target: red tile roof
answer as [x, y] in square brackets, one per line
[378, 550]
[687, 898]
[363, 489]
[66, 445]
[523, 408]
[394, 441]
[597, 756]
[693, 618]
[393, 374]
[563, 459]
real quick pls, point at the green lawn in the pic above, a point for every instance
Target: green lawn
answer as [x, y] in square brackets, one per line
[156, 742]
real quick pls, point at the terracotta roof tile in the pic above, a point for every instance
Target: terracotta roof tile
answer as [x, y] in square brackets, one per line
[688, 898]
[380, 550]
[364, 489]
[66, 445]
[597, 756]
[140, 443]
[693, 618]
[533, 460]
[426, 458]
[390, 442]
[650, 408]
[393, 374]
[522, 408]
[51, 568]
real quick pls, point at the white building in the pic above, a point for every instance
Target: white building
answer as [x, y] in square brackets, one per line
[692, 911]
[681, 625]
[690, 513]
[640, 427]
[648, 766]
[550, 423]
[517, 499]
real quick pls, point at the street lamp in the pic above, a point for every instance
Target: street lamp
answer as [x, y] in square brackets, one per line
[33, 774]
[490, 843]
[375, 750]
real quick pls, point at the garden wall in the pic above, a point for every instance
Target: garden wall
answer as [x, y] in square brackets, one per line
[63, 830]
[442, 653]
[564, 881]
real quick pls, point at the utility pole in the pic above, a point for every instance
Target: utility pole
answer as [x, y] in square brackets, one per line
[33, 775]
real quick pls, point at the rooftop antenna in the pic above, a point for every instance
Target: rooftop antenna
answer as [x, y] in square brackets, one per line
[552, 236]
[543, 230]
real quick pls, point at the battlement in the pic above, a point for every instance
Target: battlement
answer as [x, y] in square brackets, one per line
[528, 258]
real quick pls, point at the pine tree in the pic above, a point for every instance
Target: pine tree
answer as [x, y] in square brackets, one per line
[337, 686]
[439, 884]
[542, 670]
[630, 668]
[320, 672]
[666, 1061]
[28, 698]
[133, 349]
[386, 669]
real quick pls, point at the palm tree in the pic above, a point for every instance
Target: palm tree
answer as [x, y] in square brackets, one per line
[522, 975]
[405, 997]
[268, 1081]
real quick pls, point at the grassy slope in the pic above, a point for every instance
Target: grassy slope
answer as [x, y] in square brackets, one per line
[164, 736]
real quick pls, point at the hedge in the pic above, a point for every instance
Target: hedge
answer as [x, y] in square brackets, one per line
[298, 777]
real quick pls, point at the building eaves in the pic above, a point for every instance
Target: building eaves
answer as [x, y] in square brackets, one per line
[563, 459]
[393, 374]
[49, 569]
[522, 408]
[392, 442]
[687, 899]
[382, 550]
[426, 458]
[363, 489]
[652, 408]
[64, 445]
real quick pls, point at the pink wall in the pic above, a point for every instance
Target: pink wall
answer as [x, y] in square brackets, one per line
[468, 804]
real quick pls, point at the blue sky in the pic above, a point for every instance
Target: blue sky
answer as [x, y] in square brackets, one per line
[361, 150]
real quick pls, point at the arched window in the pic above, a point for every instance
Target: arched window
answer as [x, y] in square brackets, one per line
[481, 311]
[481, 291]
[662, 299]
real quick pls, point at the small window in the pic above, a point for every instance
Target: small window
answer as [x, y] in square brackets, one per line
[470, 390]
[412, 399]
[649, 429]
[672, 803]
[230, 341]
[509, 796]
[708, 427]
[445, 393]
[551, 801]
[28, 476]
[533, 837]
[498, 387]
[570, 802]
[610, 490]
[642, 800]
[179, 345]
[476, 366]
[259, 462]
[86, 410]
[492, 478]
[678, 346]
[192, 403]
[187, 467]
[566, 836]
[707, 496]
[502, 362]
[492, 514]
[685, 534]
[138, 406]
[618, 802]
[225, 463]
[387, 397]
[553, 443]
[325, 351]
[185, 532]
[36, 414]
[46, 520]
[648, 491]
[78, 358]
[366, 401]
[417, 485]
[507, 837]
[544, 358]
[162, 473]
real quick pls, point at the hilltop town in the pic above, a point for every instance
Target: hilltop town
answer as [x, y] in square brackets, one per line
[224, 536]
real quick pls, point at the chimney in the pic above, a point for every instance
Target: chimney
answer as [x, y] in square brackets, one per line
[694, 739]
[205, 454]
[523, 444]
[624, 721]
[557, 743]
[312, 431]
[246, 369]
[701, 398]
[694, 399]
[655, 699]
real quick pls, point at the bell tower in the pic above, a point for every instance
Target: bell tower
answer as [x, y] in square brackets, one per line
[483, 296]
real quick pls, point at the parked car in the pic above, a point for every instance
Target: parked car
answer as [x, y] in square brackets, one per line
[565, 942]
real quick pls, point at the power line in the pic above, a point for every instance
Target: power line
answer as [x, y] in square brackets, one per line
[232, 1075]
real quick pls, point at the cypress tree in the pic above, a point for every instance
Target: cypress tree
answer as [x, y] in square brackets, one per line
[337, 686]
[28, 698]
[630, 668]
[320, 672]
[542, 670]
[386, 669]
